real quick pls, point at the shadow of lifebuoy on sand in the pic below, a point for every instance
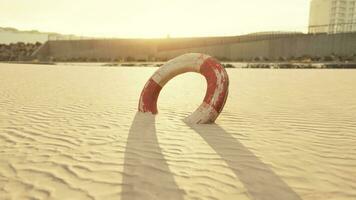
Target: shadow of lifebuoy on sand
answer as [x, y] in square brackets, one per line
[258, 178]
[147, 175]
[146, 172]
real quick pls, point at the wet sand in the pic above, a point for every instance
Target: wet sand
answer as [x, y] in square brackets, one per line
[73, 132]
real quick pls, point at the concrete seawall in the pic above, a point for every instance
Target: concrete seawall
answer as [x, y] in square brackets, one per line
[233, 48]
[97, 49]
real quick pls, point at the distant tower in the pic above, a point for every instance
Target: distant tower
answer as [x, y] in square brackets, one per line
[332, 16]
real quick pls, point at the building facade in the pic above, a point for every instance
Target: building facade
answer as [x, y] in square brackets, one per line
[332, 16]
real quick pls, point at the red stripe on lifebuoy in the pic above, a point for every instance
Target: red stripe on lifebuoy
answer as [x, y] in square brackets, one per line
[217, 83]
[149, 96]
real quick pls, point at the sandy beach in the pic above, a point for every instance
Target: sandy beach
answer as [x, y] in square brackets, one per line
[73, 132]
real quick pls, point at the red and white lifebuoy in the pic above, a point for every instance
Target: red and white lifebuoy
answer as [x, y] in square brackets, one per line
[217, 85]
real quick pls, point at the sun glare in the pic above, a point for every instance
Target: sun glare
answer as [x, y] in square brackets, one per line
[152, 19]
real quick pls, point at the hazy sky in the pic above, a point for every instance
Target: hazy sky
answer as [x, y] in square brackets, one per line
[155, 18]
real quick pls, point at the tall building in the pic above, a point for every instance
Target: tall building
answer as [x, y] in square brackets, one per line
[332, 16]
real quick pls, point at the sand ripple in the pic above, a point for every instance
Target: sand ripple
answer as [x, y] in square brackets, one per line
[73, 133]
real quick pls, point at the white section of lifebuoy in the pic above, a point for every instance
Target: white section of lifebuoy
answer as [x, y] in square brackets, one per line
[203, 114]
[185, 63]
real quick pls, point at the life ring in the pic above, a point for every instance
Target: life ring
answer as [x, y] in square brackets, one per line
[217, 86]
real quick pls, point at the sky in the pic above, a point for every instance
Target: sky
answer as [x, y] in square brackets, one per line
[155, 18]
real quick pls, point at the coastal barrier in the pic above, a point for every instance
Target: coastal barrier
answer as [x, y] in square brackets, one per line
[238, 48]
[284, 48]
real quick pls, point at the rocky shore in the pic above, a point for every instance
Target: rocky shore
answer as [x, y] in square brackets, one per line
[333, 65]
[18, 51]
[246, 65]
